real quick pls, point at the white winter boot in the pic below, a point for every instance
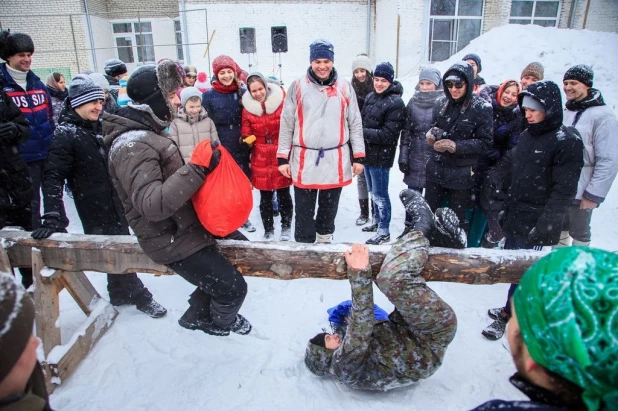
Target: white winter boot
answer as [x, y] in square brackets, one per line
[323, 238]
[565, 240]
[581, 243]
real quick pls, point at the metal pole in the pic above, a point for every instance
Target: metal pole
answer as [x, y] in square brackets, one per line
[368, 26]
[74, 43]
[185, 32]
[141, 39]
[208, 40]
[90, 37]
[397, 57]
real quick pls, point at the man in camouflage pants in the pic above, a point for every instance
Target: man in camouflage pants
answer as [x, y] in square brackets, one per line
[410, 345]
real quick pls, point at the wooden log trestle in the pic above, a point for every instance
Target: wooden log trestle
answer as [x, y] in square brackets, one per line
[59, 263]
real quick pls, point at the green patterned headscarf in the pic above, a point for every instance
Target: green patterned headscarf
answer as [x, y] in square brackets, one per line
[567, 309]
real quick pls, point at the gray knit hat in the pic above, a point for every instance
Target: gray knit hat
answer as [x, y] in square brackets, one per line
[16, 321]
[534, 69]
[362, 62]
[100, 80]
[187, 93]
[431, 74]
[83, 90]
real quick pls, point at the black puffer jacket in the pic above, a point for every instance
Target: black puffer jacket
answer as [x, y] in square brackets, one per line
[77, 154]
[468, 122]
[15, 183]
[362, 89]
[384, 116]
[546, 165]
[414, 149]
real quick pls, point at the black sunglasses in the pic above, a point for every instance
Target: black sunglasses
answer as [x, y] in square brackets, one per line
[458, 85]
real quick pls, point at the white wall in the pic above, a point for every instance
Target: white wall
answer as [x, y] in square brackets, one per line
[101, 30]
[344, 24]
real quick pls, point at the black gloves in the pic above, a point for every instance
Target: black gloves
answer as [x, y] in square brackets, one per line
[52, 223]
[404, 168]
[8, 132]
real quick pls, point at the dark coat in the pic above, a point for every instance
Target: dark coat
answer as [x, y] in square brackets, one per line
[15, 183]
[469, 124]
[541, 400]
[154, 185]
[77, 154]
[36, 105]
[508, 125]
[57, 98]
[114, 86]
[414, 149]
[545, 169]
[363, 89]
[384, 116]
[226, 112]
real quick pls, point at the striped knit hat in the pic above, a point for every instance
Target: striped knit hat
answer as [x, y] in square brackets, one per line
[83, 90]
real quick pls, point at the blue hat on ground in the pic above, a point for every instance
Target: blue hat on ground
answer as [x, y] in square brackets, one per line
[321, 49]
[385, 70]
[476, 59]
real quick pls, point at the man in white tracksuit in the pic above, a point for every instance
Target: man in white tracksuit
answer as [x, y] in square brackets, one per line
[321, 144]
[586, 111]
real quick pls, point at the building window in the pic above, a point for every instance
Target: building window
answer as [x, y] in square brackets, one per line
[452, 25]
[179, 51]
[134, 38]
[540, 12]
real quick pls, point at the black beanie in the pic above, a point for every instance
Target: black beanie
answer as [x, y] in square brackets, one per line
[151, 84]
[115, 67]
[385, 70]
[13, 43]
[16, 322]
[83, 89]
[581, 73]
[319, 339]
[476, 59]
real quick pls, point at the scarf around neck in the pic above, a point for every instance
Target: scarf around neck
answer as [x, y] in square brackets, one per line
[232, 88]
[328, 82]
[593, 99]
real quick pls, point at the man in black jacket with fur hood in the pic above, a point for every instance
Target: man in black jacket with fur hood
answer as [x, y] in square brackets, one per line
[541, 176]
[77, 155]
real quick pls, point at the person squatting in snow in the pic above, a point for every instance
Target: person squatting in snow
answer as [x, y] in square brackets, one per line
[540, 176]
[563, 332]
[22, 384]
[77, 154]
[410, 345]
[155, 187]
[597, 124]
[320, 143]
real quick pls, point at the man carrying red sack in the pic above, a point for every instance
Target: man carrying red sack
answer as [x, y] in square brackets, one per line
[155, 187]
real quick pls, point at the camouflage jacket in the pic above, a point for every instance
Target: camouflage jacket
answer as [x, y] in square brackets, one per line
[411, 344]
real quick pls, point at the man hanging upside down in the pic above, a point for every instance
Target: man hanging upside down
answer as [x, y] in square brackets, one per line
[410, 345]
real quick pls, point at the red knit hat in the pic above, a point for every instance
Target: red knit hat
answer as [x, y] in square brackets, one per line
[223, 62]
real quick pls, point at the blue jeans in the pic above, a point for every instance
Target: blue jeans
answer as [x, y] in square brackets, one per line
[377, 184]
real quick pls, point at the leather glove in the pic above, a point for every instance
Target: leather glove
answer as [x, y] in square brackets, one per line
[214, 161]
[404, 168]
[8, 132]
[51, 224]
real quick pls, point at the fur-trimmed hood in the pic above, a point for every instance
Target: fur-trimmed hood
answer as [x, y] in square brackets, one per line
[275, 98]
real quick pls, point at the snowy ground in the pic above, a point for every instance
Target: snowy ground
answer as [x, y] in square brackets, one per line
[147, 364]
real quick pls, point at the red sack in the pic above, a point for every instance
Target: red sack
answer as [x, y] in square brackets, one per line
[225, 201]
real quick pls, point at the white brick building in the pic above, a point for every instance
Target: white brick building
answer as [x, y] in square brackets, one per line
[75, 35]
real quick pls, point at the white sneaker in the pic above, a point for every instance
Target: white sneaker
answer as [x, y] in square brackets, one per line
[249, 227]
[286, 234]
[323, 238]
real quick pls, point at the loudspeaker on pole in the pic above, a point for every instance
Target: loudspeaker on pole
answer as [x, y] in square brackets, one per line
[279, 39]
[247, 40]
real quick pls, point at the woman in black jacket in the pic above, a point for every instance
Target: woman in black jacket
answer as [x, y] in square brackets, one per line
[77, 154]
[462, 133]
[384, 116]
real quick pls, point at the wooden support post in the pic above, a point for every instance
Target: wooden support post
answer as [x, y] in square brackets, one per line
[46, 303]
[5, 263]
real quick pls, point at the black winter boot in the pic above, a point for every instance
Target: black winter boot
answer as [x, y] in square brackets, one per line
[195, 319]
[364, 212]
[448, 233]
[421, 217]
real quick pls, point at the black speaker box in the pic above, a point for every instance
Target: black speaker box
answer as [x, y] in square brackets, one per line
[279, 39]
[247, 40]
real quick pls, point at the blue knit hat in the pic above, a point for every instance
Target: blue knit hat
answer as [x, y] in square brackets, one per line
[321, 49]
[385, 70]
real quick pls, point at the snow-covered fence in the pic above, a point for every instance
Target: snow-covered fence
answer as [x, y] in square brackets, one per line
[59, 263]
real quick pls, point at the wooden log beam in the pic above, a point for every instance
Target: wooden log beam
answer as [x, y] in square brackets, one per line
[281, 260]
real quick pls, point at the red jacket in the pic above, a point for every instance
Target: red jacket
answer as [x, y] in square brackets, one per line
[262, 121]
